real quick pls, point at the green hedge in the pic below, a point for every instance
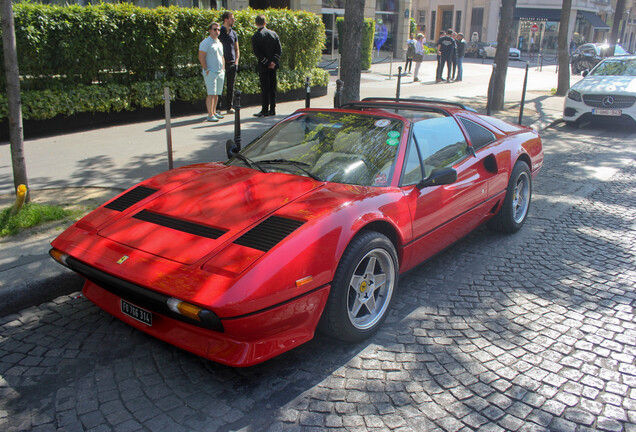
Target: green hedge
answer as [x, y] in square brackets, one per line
[366, 44]
[114, 57]
[112, 97]
[125, 43]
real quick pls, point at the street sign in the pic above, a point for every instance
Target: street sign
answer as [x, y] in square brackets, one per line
[534, 28]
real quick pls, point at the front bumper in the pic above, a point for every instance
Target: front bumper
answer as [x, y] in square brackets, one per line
[574, 111]
[245, 341]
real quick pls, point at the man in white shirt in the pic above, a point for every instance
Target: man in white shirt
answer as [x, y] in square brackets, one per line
[213, 64]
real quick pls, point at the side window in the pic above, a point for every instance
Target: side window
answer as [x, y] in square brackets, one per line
[412, 166]
[479, 135]
[441, 143]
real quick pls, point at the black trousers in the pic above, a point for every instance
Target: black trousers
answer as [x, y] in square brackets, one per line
[444, 60]
[408, 64]
[268, 89]
[230, 78]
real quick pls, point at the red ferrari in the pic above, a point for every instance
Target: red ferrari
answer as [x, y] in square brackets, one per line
[308, 227]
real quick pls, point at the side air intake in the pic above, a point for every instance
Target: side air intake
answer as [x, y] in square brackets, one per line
[130, 198]
[180, 224]
[268, 233]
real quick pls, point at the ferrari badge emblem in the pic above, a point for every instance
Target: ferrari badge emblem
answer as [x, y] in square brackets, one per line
[363, 287]
[122, 259]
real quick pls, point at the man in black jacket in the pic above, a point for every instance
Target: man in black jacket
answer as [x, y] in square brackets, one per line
[267, 49]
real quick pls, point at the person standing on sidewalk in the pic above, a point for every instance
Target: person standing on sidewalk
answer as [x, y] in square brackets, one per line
[410, 52]
[229, 39]
[461, 52]
[454, 56]
[267, 49]
[212, 62]
[418, 56]
[445, 46]
[439, 58]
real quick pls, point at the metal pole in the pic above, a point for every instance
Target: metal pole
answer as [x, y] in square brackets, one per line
[540, 62]
[523, 94]
[338, 94]
[308, 93]
[391, 67]
[491, 89]
[399, 79]
[166, 98]
[237, 119]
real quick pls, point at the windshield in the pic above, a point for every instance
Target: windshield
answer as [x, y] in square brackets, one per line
[602, 49]
[331, 146]
[615, 67]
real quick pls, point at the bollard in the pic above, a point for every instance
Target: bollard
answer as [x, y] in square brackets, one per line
[523, 94]
[237, 119]
[308, 93]
[540, 62]
[491, 89]
[337, 97]
[166, 98]
[391, 67]
[399, 79]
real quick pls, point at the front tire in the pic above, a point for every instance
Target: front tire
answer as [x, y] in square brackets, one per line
[363, 288]
[514, 210]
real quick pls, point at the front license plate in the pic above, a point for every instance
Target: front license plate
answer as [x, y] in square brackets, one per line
[141, 315]
[608, 112]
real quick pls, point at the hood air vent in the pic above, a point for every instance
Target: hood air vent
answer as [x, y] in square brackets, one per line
[180, 225]
[130, 198]
[268, 233]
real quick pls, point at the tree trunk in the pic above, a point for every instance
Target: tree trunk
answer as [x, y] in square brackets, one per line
[564, 49]
[504, 40]
[16, 136]
[352, 50]
[618, 16]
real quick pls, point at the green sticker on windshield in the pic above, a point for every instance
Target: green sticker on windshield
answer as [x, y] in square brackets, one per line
[392, 141]
[393, 134]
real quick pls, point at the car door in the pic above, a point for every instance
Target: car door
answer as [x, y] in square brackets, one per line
[443, 214]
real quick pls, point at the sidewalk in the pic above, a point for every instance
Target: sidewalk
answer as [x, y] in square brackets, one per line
[88, 168]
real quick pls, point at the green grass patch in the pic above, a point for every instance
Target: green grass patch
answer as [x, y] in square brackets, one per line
[32, 215]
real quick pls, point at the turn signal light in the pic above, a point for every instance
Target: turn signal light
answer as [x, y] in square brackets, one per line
[304, 281]
[59, 256]
[182, 308]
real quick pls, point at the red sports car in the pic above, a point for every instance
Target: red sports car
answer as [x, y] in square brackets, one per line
[309, 226]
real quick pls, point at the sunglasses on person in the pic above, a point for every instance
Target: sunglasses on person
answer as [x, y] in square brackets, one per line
[215, 28]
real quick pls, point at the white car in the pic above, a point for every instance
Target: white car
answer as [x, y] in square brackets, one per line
[489, 52]
[607, 92]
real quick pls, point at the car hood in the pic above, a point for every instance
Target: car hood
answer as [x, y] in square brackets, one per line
[188, 222]
[606, 84]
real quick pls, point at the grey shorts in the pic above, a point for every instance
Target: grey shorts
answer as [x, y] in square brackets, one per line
[214, 82]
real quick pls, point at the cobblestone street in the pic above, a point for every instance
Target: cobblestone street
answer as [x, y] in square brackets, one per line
[528, 332]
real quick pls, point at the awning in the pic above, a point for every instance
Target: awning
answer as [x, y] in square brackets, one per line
[594, 20]
[536, 14]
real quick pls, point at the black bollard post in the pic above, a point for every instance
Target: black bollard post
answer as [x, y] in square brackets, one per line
[337, 97]
[523, 94]
[491, 89]
[540, 62]
[397, 92]
[237, 119]
[308, 94]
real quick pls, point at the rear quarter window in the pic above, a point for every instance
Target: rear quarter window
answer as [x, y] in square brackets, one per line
[479, 135]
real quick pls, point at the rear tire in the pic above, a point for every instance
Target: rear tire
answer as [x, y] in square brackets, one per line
[362, 290]
[516, 204]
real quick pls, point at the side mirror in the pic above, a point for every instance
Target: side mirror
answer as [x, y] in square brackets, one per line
[584, 73]
[441, 176]
[231, 148]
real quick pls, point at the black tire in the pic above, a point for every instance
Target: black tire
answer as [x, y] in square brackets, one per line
[513, 213]
[337, 319]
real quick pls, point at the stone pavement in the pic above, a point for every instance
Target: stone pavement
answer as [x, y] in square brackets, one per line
[534, 331]
[67, 169]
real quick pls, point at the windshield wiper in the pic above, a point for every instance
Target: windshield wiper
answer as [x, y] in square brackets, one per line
[249, 162]
[297, 164]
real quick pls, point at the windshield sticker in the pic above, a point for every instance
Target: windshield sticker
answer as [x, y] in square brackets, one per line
[394, 134]
[392, 141]
[382, 123]
[380, 180]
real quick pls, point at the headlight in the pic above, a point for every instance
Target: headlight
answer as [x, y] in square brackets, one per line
[574, 95]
